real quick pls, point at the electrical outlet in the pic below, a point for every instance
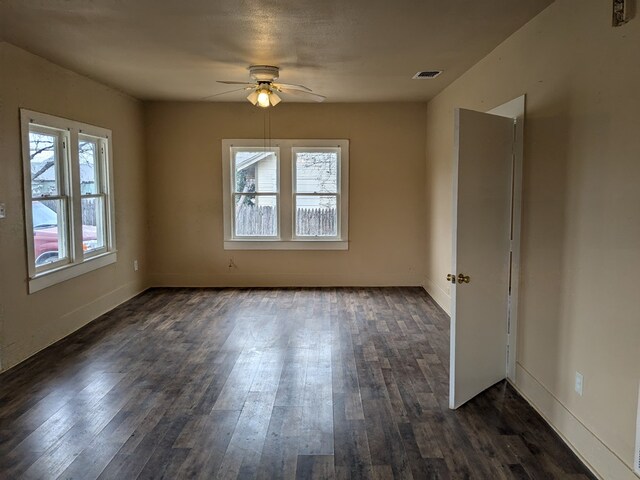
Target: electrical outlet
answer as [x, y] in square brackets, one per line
[3, 210]
[135, 265]
[579, 383]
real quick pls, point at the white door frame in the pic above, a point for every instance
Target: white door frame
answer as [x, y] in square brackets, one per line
[514, 109]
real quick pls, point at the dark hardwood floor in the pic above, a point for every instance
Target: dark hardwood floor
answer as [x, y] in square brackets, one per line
[265, 383]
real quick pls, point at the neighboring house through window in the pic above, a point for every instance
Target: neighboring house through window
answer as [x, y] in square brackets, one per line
[291, 194]
[68, 199]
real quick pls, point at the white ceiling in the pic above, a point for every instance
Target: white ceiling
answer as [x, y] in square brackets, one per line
[348, 50]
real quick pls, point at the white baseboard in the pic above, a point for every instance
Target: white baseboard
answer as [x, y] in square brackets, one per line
[69, 323]
[240, 279]
[602, 461]
[441, 297]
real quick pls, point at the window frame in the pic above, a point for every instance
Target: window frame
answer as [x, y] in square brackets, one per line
[77, 262]
[63, 195]
[234, 193]
[295, 193]
[102, 189]
[287, 240]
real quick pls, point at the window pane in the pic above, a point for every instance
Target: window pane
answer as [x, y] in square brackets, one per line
[49, 231]
[256, 215]
[316, 216]
[256, 171]
[89, 163]
[316, 172]
[44, 158]
[93, 232]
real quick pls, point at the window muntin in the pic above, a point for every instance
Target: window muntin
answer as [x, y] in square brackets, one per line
[68, 204]
[308, 191]
[316, 192]
[256, 192]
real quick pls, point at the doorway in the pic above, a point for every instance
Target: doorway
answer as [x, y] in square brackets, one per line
[485, 256]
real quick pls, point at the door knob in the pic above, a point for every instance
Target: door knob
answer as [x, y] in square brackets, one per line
[463, 278]
[451, 278]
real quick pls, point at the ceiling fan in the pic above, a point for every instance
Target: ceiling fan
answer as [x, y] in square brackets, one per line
[264, 88]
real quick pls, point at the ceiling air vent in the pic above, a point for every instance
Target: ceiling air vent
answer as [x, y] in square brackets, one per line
[427, 74]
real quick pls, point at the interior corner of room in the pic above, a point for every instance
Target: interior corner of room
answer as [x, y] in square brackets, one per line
[564, 82]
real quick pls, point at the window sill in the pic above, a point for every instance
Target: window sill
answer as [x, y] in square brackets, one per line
[286, 245]
[47, 279]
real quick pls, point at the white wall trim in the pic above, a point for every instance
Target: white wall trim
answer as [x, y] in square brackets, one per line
[600, 459]
[78, 318]
[285, 239]
[442, 298]
[286, 245]
[76, 262]
[239, 279]
[636, 456]
[514, 109]
[68, 272]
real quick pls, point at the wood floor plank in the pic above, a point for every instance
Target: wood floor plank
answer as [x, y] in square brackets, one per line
[315, 467]
[211, 444]
[352, 455]
[279, 458]
[293, 376]
[242, 458]
[186, 383]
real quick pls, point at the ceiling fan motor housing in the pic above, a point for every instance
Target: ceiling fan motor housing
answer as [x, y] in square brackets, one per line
[264, 73]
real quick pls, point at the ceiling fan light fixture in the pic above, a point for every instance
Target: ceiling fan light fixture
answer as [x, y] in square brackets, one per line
[253, 97]
[274, 99]
[264, 89]
[263, 97]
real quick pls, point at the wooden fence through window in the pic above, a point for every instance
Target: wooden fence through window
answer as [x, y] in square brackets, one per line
[262, 222]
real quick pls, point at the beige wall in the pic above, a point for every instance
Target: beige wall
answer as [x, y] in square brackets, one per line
[579, 305]
[29, 323]
[386, 211]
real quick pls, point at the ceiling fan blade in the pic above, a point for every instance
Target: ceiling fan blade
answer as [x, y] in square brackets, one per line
[314, 96]
[224, 93]
[293, 86]
[231, 82]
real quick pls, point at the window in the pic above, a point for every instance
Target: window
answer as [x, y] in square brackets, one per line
[290, 195]
[255, 202]
[68, 202]
[315, 192]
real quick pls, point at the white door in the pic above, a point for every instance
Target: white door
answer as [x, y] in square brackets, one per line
[483, 162]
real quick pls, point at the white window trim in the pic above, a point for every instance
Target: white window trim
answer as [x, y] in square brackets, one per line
[233, 193]
[286, 239]
[78, 264]
[338, 194]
